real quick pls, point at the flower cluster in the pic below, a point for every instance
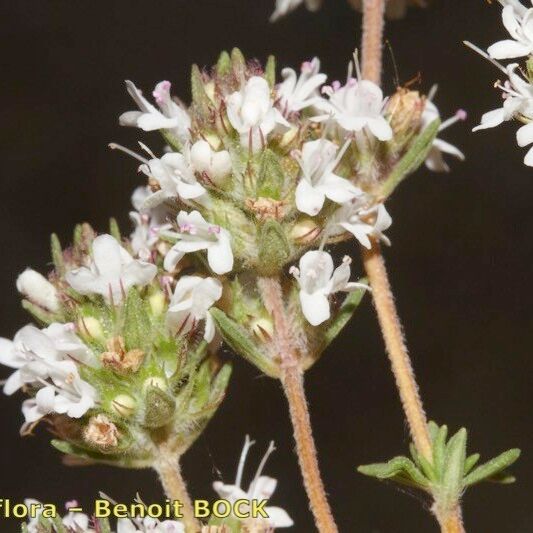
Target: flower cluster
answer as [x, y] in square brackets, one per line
[517, 89]
[123, 354]
[395, 9]
[258, 173]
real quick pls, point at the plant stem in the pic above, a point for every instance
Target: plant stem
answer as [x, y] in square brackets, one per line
[293, 387]
[372, 48]
[169, 470]
[401, 364]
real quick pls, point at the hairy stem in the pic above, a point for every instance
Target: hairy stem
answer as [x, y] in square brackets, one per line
[372, 52]
[394, 341]
[372, 42]
[293, 386]
[169, 470]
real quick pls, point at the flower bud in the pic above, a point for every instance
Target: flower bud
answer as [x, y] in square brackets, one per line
[159, 408]
[157, 303]
[38, 290]
[124, 405]
[305, 231]
[101, 432]
[90, 327]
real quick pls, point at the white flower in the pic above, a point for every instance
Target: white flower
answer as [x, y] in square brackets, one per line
[356, 106]
[435, 160]
[318, 161]
[196, 234]
[216, 165]
[190, 303]
[112, 272]
[252, 113]
[169, 116]
[519, 24]
[518, 102]
[318, 281]
[297, 93]
[38, 290]
[34, 353]
[261, 488]
[283, 7]
[77, 522]
[362, 222]
[148, 525]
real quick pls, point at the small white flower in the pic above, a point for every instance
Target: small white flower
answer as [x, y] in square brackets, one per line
[252, 113]
[169, 116]
[38, 289]
[216, 165]
[354, 217]
[318, 161]
[318, 281]
[519, 24]
[283, 7]
[356, 106]
[112, 271]
[33, 353]
[190, 303]
[435, 160]
[518, 102]
[297, 93]
[196, 234]
[77, 522]
[261, 488]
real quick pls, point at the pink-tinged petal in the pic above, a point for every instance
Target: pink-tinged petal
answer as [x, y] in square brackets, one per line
[156, 121]
[264, 487]
[315, 307]
[129, 118]
[188, 191]
[309, 200]
[448, 148]
[509, 21]
[338, 189]
[508, 49]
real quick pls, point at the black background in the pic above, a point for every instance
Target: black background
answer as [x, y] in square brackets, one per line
[460, 261]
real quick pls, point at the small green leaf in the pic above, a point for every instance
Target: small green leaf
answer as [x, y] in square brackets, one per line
[238, 63]
[271, 177]
[243, 344]
[136, 321]
[470, 462]
[492, 468]
[220, 383]
[414, 157]
[57, 254]
[223, 67]
[345, 313]
[199, 96]
[439, 450]
[274, 247]
[401, 469]
[270, 71]
[453, 470]
[114, 229]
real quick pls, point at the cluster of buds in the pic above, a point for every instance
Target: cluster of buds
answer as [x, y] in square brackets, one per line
[122, 362]
[394, 9]
[517, 88]
[260, 176]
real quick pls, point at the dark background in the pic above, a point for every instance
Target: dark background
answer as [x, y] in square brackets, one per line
[460, 262]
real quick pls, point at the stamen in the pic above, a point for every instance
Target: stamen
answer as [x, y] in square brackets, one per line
[115, 146]
[242, 460]
[270, 450]
[459, 116]
[485, 55]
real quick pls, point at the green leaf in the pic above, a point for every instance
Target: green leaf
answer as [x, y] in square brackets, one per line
[345, 313]
[414, 157]
[400, 469]
[270, 71]
[243, 344]
[453, 471]
[274, 247]
[57, 254]
[114, 229]
[199, 96]
[223, 67]
[238, 63]
[136, 321]
[220, 383]
[271, 177]
[470, 462]
[439, 450]
[41, 315]
[494, 467]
